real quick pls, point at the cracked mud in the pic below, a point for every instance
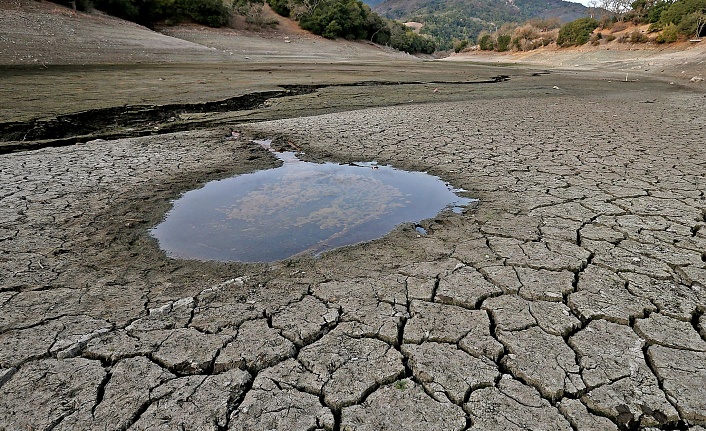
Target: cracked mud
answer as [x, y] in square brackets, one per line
[572, 298]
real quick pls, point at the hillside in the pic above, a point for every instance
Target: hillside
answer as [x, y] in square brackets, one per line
[465, 19]
[41, 33]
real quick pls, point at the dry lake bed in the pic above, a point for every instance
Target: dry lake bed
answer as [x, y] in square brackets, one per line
[570, 296]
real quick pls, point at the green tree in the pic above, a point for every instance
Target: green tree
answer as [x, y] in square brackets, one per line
[576, 32]
[504, 42]
[485, 42]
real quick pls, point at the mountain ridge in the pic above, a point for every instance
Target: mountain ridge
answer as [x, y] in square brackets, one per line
[448, 20]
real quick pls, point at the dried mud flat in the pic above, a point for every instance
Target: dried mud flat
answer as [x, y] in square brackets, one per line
[572, 298]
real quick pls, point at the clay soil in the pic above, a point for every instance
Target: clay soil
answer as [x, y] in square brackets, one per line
[571, 298]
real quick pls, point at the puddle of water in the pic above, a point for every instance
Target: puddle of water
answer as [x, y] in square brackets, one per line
[300, 207]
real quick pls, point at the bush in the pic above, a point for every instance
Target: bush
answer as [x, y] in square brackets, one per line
[212, 13]
[485, 42]
[596, 39]
[576, 32]
[637, 37]
[125, 9]
[669, 34]
[460, 45]
[504, 42]
[280, 6]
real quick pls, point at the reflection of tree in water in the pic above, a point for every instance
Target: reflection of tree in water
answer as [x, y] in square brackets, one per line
[333, 200]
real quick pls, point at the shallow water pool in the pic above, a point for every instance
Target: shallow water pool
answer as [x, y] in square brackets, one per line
[299, 207]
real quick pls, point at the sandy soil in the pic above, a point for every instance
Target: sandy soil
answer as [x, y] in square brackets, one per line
[572, 297]
[679, 63]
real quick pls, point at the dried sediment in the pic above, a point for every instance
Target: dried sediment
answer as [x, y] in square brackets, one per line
[571, 298]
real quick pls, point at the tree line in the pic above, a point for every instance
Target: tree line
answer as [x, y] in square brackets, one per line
[349, 19]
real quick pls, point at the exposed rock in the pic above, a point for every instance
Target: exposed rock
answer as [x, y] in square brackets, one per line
[445, 370]
[512, 406]
[256, 346]
[683, 376]
[543, 361]
[402, 405]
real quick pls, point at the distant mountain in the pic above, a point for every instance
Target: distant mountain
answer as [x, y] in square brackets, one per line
[446, 20]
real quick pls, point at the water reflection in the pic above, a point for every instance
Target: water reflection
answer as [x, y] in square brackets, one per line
[300, 207]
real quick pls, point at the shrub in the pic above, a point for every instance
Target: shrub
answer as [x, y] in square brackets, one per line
[637, 37]
[460, 45]
[576, 32]
[212, 13]
[596, 39]
[669, 34]
[280, 6]
[528, 37]
[485, 42]
[504, 42]
[125, 9]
